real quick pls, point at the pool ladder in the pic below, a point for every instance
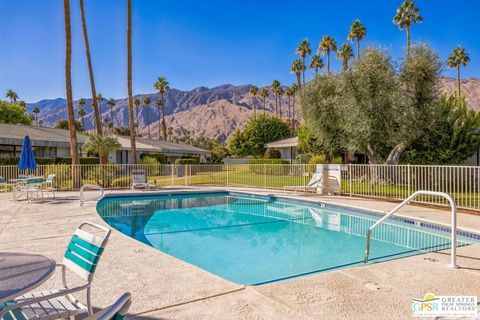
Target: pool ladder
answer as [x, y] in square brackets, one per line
[453, 207]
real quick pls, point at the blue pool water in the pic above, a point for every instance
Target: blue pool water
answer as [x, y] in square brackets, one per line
[255, 240]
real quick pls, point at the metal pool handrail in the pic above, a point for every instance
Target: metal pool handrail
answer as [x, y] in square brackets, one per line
[89, 186]
[453, 206]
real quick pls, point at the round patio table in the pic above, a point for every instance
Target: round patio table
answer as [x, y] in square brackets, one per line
[22, 272]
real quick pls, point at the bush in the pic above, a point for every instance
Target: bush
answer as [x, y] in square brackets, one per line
[48, 161]
[273, 154]
[187, 161]
[273, 167]
[63, 175]
[102, 176]
[320, 159]
[160, 157]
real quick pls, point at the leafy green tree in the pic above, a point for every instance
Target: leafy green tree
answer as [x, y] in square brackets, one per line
[264, 95]
[406, 16]
[146, 103]
[13, 113]
[257, 132]
[327, 45]
[307, 141]
[254, 92]
[345, 53]
[458, 57]
[357, 32]
[451, 139]
[12, 95]
[322, 111]
[304, 50]
[36, 111]
[161, 85]
[63, 124]
[316, 63]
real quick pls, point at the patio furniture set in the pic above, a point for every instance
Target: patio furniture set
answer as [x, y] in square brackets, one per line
[20, 273]
[29, 187]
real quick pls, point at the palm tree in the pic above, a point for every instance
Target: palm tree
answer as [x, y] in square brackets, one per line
[170, 133]
[316, 63]
[279, 92]
[294, 88]
[159, 105]
[81, 110]
[96, 112]
[82, 113]
[254, 91]
[137, 104]
[345, 53]
[406, 16]
[327, 45]
[36, 111]
[12, 95]
[68, 87]
[111, 103]
[264, 95]
[357, 32]
[146, 103]
[161, 85]
[129, 82]
[275, 85]
[303, 50]
[101, 144]
[40, 123]
[458, 57]
[290, 92]
[297, 67]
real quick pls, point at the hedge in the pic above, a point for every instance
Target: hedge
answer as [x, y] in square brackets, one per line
[268, 161]
[161, 158]
[187, 161]
[270, 170]
[48, 161]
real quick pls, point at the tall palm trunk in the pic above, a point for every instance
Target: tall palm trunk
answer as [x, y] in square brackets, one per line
[276, 104]
[136, 122]
[458, 79]
[303, 72]
[148, 125]
[298, 81]
[280, 107]
[83, 123]
[96, 110]
[408, 40]
[159, 123]
[289, 111]
[345, 64]
[129, 82]
[68, 86]
[264, 105]
[164, 125]
[293, 115]
[328, 61]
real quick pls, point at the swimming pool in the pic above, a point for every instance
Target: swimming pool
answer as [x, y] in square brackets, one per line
[252, 239]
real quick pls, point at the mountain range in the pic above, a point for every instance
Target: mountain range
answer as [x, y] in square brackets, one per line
[211, 112]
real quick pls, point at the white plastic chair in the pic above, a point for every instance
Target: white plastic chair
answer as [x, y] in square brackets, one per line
[81, 257]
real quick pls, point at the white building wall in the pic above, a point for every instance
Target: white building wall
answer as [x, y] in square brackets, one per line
[63, 152]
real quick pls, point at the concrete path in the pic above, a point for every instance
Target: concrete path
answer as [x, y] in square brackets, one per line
[164, 287]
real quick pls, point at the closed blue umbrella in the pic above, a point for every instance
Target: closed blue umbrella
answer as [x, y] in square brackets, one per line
[27, 159]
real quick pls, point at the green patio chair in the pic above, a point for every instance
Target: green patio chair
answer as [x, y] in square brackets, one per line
[81, 257]
[48, 184]
[116, 311]
[31, 189]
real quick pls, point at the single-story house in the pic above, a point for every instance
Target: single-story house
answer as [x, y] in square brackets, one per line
[171, 150]
[288, 148]
[289, 151]
[46, 142]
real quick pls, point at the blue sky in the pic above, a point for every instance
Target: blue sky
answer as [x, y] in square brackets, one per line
[204, 43]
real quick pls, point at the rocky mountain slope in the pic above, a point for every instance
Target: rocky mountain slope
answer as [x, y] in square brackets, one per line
[213, 112]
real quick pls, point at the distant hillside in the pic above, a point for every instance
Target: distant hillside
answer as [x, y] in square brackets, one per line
[213, 112]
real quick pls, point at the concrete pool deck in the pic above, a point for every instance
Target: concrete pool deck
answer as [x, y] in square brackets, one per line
[164, 287]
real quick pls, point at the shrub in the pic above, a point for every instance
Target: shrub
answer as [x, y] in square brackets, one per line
[320, 159]
[160, 157]
[149, 161]
[268, 161]
[102, 176]
[187, 161]
[48, 161]
[63, 175]
[272, 167]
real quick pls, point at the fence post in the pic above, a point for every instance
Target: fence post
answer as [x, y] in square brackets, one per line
[226, 168]
[172, 174]
[350, 178]
[409, 191]
[265, 176]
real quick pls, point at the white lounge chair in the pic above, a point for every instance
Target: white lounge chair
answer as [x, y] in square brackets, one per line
[311, 186]
[139, 180]
[116, 311]
[81, 257]
[31, 189]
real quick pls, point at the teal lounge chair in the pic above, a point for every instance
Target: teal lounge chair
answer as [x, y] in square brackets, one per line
[81, 258]
[116, 311]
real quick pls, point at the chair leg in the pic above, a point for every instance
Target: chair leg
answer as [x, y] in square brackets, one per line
[89, 301]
